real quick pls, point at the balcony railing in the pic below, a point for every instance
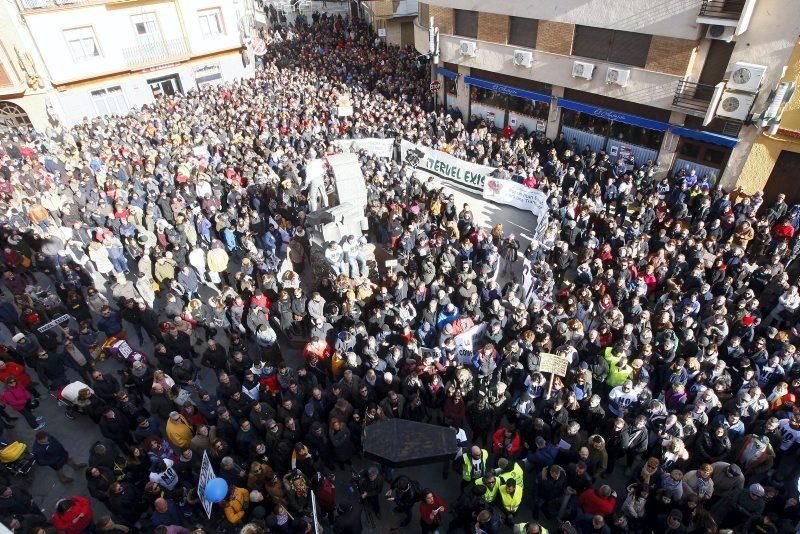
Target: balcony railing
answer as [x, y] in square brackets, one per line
[33, 5]
[722, 9]
[693, 97]
[157, 53]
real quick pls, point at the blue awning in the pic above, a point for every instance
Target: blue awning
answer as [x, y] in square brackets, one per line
[708, 137]
[507, 89]
[616, 116]
[447, 73]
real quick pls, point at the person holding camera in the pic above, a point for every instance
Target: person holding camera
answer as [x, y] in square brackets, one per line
[370, 487]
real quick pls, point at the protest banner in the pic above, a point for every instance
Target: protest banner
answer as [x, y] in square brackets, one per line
[206, 475]
[555, 365]
[380, 148]
[517, 195]
[52, 324]
[443, 165]
[465, 342]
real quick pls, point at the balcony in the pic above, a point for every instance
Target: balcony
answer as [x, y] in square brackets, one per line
[27, 6]
[693, 98]
[154, 54]
[733, 13]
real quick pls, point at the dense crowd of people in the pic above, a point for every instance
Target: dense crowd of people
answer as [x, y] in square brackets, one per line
[185, 223]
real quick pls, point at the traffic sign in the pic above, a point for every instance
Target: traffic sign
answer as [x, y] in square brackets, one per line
[435, 86]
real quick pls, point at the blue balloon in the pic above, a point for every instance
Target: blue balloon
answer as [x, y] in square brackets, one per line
[216, 490]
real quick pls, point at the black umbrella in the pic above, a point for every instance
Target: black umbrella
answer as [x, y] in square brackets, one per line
[401, 443]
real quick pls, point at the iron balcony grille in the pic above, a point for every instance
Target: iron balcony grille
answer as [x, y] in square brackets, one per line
[156, 53]
[693, 96]
[722, 9]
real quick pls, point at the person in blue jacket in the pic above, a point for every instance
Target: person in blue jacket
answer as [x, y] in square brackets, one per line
[49, 452]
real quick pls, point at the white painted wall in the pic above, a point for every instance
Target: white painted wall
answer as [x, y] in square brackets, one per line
[75, 104]
[231, 13]
[673, 18]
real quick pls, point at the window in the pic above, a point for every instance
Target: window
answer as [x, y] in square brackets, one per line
[522, 31]
[466, 23]
[628, 48]
[146, 28]
[424, 17]
[211, 23]
[636, 135]
[81, 43]
[531, 108]
[489, 98]
[110, 101]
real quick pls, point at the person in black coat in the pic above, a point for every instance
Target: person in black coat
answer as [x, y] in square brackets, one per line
[115, 426]
[125, 502]
[105, 386]
[99, 481]
[49, 452]
[348, 519]
[16, 501]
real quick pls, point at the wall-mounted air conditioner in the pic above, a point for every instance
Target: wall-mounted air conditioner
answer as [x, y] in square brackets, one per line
[468, 48]
[523, 58]
[581, 69]
[618, 76]
[735, 105]
[721, 33]
[746, 77]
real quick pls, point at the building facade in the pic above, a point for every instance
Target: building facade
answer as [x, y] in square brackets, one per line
[773, 165]
[676, 82]
[108, 57]
[393, 20]
[23, 91]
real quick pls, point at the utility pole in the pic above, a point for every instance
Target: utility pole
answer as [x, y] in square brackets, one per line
[433, 55]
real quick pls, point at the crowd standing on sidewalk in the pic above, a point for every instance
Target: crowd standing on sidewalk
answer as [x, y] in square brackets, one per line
[674, 301]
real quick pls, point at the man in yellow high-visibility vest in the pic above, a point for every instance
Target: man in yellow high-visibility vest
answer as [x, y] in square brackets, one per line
[492, 486]
[510, 499]
[531, 527]
[473, 466]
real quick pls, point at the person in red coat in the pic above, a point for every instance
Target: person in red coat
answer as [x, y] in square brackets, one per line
[599, 501]
[430, 511]
[72, 515]
[506, 442]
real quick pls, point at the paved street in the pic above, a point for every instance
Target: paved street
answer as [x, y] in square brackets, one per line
[80, 434]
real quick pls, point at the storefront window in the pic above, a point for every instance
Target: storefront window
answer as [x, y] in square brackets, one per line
[690, 150]
[714, 156]
[488, 98]
[526, 106]
[585, 122]
[636, 135]
[451, 86]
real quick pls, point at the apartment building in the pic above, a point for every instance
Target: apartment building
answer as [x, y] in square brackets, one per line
[392, 20]
[773, 164]
[675, 81]
[109, 56]
[23, 94]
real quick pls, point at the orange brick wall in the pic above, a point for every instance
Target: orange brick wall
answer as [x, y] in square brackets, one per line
[555, 37]
[670, 55]
[443, 18]
[493, 28]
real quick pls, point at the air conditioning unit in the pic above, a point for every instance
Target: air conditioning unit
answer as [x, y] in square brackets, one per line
[468, 48]
[523, 58]
[735, 105]
[721, 33]
[746, 77]
[583, 70]
[618, 76]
